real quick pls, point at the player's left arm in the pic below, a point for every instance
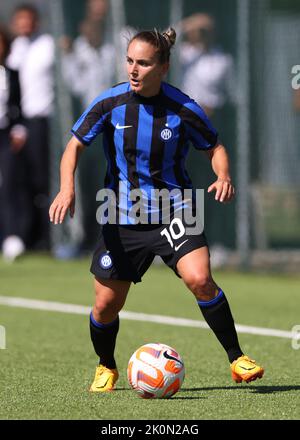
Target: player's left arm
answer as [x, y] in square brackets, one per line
[204, 137]
[221, 167]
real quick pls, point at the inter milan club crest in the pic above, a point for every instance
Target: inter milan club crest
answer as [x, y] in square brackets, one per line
[166, 134]
[105, 261]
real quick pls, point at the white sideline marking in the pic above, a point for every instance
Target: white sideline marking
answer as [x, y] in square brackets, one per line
[133, 316]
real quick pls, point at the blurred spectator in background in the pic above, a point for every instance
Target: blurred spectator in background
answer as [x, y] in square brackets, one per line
[88, 68]
[207, 70]
[208, 76]
[32, 54]
[88, 64]
[12, 139]
[96, 10]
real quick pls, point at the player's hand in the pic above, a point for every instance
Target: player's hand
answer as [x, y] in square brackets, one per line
[64, 201]
[224, 190]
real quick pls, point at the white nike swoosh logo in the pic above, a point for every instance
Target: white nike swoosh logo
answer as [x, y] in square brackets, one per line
[119, 127]
[181, 244]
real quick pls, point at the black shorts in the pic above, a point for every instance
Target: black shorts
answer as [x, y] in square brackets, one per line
[126, 252]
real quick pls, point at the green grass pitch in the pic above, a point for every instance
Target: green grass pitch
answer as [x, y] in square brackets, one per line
[48, 363]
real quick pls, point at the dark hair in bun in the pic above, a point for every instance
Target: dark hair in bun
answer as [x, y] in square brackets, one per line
[161, 41]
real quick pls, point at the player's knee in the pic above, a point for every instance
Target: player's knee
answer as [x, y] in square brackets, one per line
[199, 283]
[105, 306]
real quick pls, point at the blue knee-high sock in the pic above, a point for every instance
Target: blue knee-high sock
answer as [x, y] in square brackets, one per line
[104, 338]
[219, 318]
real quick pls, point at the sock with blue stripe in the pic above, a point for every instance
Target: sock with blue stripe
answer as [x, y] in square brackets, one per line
[218, 316]
[104, 337]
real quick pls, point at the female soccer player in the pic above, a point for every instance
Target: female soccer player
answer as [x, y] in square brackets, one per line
[147, 124]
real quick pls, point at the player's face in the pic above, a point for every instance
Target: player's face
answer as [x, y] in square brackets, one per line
[144, 71]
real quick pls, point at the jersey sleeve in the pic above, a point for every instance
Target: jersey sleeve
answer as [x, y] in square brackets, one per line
[198, 127]
[91, 122]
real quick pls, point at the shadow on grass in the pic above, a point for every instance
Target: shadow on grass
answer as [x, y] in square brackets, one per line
[259, 389]
[173, 398]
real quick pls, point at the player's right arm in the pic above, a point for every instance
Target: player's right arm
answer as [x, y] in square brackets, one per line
[65, 199]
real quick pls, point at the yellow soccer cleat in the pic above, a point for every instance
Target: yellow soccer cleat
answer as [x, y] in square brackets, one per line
[245, 369]
[105, 379]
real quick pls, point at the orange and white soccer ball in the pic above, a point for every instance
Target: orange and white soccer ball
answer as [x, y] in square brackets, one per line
[155, 371]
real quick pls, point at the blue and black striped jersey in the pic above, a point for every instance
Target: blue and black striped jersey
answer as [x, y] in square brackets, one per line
[146, 140]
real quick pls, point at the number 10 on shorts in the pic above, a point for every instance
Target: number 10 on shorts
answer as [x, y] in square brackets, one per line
[171, 234]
